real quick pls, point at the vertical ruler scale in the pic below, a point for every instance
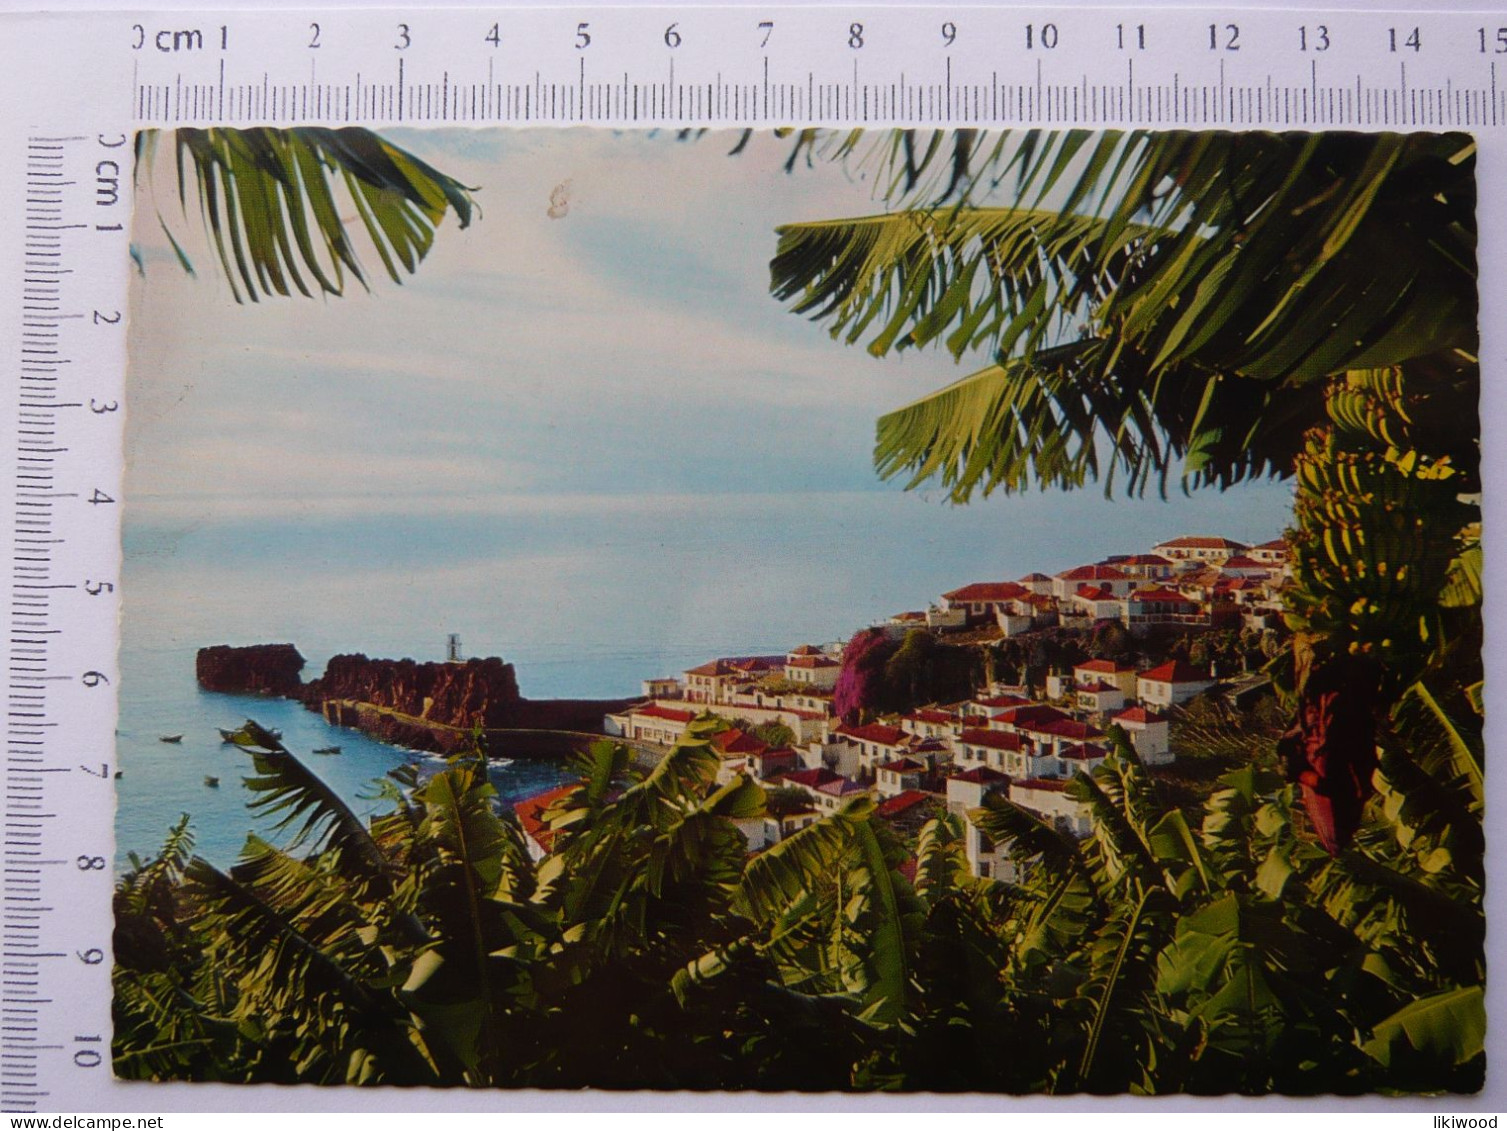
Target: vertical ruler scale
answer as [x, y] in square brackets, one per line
[59, 761]
[27, 797]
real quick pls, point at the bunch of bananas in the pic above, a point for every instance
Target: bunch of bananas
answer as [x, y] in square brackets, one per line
[1378, 522]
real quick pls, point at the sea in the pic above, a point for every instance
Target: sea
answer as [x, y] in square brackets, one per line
[585, 597]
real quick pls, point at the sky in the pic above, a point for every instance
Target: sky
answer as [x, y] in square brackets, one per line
[617, 367]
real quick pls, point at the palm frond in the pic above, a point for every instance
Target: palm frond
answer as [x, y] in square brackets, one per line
[271, 202]
[1209, 281]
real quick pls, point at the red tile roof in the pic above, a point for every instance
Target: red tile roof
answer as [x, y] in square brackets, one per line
[1240, 561]
[1071, 728]
[742, 665]
[670, 714]
[1177, 671]
[1083, 752]
[1135, 560]
[805, 650]
[894, 806]
[813, 779]
[941, 718]
[530, 812]
[1165, 596]
[987, 591]
[1138, 715]
[991, 739]
[903, 766]
[1095, 593]
[841, 787]
[1203, 542]
[1092, 573]
[1004, 701]
[875, 732]
[1098, 688]
[1274, 544]
[1034, 715]
[1102, 667]
[735, 741]
[812, 662]
[979, 775]
[1035, 577]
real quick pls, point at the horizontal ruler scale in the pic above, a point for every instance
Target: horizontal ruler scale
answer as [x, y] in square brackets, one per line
[668, 66]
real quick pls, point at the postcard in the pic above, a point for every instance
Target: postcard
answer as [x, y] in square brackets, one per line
[925, 611]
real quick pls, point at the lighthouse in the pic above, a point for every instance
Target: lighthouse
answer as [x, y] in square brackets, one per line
[452, 649]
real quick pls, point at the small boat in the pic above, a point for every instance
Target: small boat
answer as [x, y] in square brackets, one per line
[327, 750]
[173, 738]
[212, 782]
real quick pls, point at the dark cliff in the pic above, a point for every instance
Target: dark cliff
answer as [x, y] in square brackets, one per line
[268, 669]
[481, 692]
[426, 706]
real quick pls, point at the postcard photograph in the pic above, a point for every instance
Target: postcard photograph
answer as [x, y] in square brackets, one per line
[804, 610]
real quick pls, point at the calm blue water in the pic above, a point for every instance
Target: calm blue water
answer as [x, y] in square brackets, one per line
[160, 780]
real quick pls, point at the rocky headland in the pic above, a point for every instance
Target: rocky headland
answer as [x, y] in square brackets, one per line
[422, 705]
[258, 669]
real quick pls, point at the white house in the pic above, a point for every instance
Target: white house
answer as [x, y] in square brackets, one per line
[1106, 671]
[1274, 553]
[1069, 581]
[930, 722]
[1161, 606]
[1081, 757]
[1148, 733]
[1242, 565]
[1046, 797]
[875, 743]
[667, 688]
[893, 778]
[1099, 697]
[1053, 737]
[812, 668]
[981, 601]
[650, 722]
[987, 858]
[1038, 583]
[939, 619]
[1172, 683]
[1097, 603]
[1003, 753]
[1199, 548]
[712, 682]
[1143, 567]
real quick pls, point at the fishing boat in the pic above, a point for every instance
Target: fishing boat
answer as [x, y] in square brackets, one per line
[327, 750]
[173, 738]
[212, 782]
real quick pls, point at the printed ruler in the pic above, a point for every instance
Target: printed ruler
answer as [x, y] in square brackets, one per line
[79, 85]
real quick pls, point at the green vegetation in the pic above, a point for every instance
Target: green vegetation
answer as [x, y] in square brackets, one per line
[649, 950]
[1233, 305]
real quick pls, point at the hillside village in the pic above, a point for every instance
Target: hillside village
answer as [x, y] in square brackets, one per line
[786, 728]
